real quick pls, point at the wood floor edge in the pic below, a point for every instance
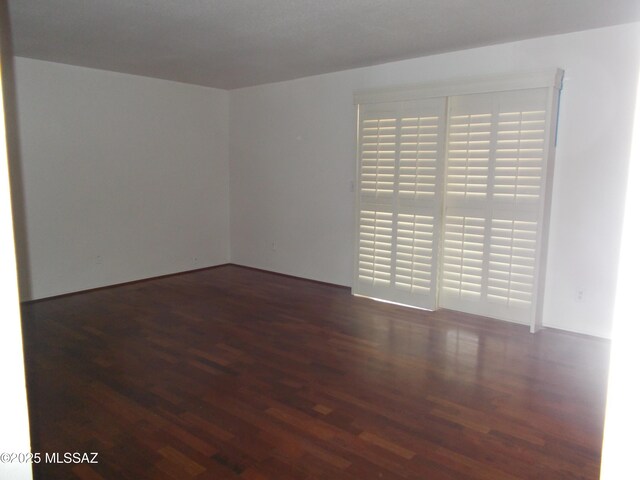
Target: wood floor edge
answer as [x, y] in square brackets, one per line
[248, 267]
[185, 272]
[286, 275]
[122, 284]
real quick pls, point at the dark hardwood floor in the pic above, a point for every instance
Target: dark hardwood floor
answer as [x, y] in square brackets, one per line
[232, 373]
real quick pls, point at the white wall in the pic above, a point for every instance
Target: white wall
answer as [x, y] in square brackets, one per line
[293, 157]
[124, 177]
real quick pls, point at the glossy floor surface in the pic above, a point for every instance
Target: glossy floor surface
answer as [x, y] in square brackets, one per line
[232, 373]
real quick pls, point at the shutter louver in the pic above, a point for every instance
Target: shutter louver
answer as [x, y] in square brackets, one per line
[468, 156]
[419, 149]
[374, 259]
[519, 156]
[378, 161]
[414, 253]
[512, 262]
[463, 256]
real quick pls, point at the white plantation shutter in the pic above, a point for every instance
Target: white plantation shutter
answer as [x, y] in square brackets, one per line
[401, 151]
[468, 156]
[495, 167]
[378, 144]
[375, 242]
[519, 155]
[453, 194]
[378, 158]
[463, 257]
[512, 252]
[420, 148]
[414, 253]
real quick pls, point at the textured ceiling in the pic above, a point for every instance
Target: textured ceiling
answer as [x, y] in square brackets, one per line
[236, 43]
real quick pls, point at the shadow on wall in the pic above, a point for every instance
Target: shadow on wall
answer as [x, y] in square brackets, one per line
[13, 153]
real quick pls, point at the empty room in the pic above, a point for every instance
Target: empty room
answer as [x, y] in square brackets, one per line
[295, 239]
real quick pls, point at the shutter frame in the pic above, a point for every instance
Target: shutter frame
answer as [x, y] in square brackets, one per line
[519, 183]
[416, 209]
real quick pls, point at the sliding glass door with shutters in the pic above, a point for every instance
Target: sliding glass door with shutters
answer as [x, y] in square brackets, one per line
[401, 152]
[493, 183]
[453, 201]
